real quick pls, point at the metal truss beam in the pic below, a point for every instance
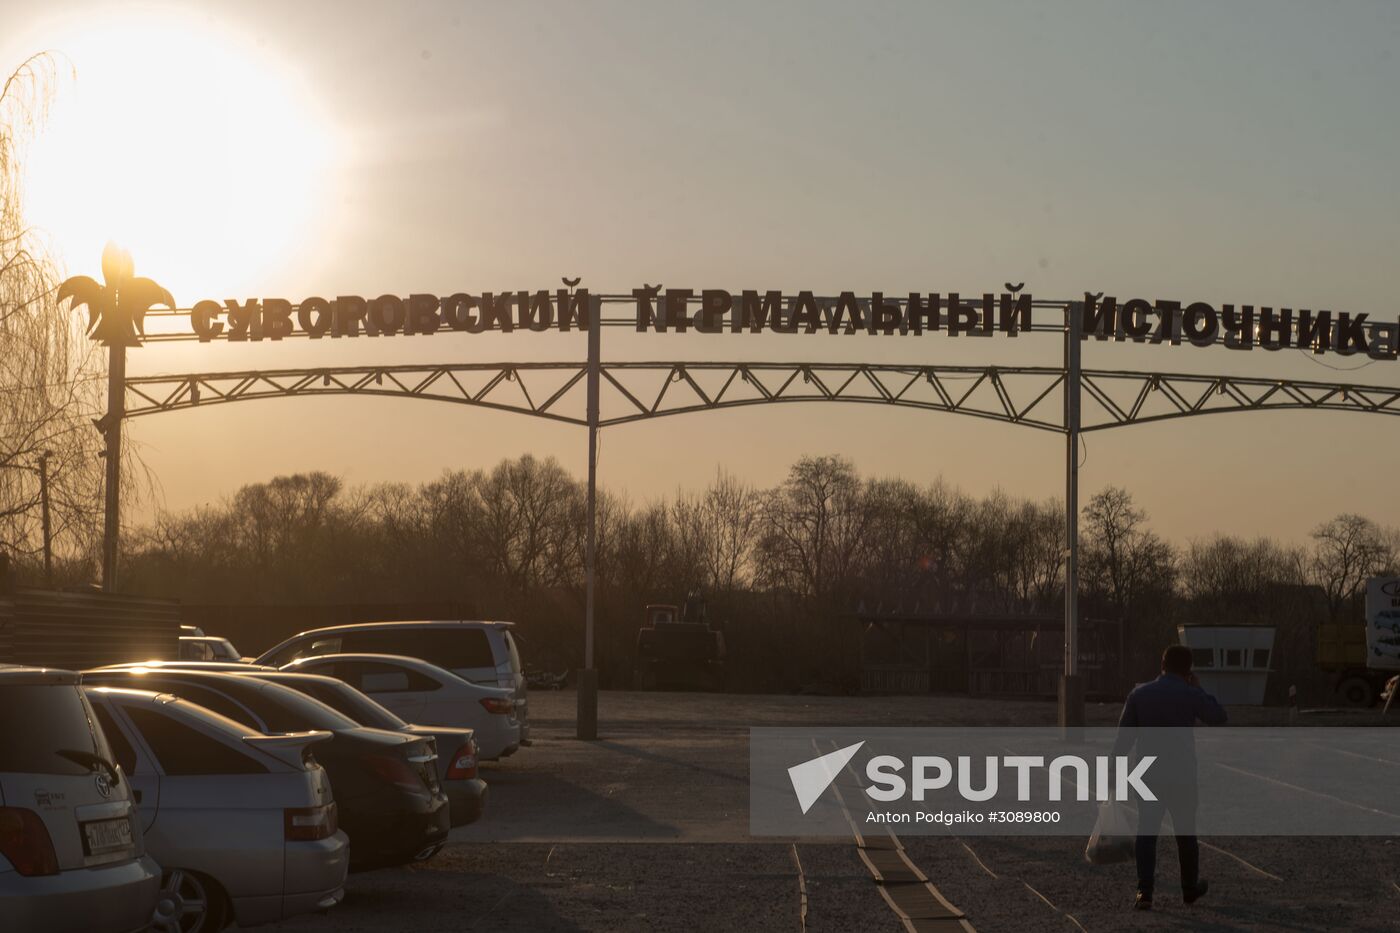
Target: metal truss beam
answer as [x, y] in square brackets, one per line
[634, 391]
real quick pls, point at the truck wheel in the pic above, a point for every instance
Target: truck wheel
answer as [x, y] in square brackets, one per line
[1357, 691]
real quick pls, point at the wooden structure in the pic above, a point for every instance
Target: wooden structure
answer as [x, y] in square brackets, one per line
[82, 629]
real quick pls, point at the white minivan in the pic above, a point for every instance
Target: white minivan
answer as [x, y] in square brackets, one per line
[72, 856]
[481, 652]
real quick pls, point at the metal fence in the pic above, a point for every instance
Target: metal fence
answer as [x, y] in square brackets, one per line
[77, 630]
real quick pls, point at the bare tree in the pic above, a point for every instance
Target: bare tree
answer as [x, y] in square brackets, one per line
[1123, 560]
[532, 511]
[1224, 567]
[893, 568]
[1038, 547]
[50, 377]
[722, 525]
[1347, 550]
[944, 523]
[814, 526]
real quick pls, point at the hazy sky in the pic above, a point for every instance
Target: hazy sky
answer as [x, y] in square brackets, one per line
[1240, 152]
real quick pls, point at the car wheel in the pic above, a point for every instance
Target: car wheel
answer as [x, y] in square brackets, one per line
[1357, 692]
[189, 903]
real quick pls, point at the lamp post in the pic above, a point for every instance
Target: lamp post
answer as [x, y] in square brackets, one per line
[587, 712]
[111, 427]
[1071, 692]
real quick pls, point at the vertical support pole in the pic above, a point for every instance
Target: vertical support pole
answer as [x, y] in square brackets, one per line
[112, 429]
[44, 517]
[1071, 692]
[587, 726]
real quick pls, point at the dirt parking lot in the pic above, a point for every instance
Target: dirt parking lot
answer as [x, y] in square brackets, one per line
[647, 829]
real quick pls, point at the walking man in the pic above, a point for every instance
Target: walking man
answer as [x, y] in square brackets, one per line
[1173, 703]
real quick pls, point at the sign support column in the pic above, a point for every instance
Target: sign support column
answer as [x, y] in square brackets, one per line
[112, 431]
[588, 677]
[1071, 692]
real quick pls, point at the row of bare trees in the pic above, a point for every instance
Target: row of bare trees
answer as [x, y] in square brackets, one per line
[823, 533]
[820, 543]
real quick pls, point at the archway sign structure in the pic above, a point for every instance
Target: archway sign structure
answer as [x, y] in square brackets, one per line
[1065, 399]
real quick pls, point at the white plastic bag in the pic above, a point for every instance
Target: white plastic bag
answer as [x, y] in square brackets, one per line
[1113, 837]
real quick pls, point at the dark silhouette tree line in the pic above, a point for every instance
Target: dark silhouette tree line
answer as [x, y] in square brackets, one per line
[786, 566]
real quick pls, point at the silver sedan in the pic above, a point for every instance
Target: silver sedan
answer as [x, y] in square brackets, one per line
[420, 692]
[243, 826]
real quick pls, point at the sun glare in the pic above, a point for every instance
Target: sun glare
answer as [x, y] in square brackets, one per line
[189, 148]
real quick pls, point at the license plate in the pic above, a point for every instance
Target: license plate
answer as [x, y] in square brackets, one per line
[102, 836]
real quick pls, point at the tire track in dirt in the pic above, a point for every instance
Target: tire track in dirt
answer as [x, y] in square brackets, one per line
[907, 890]
[801, 891]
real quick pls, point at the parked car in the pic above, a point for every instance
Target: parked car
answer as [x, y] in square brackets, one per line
[457, 772]
[483, 653]
[385, 783]
[421, 692]
[207, 648]
[72, 857]
[243, 826]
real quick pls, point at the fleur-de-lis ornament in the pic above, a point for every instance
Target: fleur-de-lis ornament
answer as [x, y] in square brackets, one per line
[116, 310]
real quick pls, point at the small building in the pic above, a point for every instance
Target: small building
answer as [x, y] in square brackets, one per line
[1010, 655]
[1231, 661]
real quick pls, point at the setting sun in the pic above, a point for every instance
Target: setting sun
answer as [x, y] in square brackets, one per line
[195, 151]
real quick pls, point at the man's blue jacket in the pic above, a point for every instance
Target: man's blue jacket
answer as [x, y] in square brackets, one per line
[1170, 701]
[1172, 704]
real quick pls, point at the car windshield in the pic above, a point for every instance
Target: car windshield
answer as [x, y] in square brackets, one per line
[280, 709]
[40, 722]
[347, 700]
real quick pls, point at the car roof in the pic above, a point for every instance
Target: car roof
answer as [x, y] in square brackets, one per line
[212, 677]
[130, 693]
[19, 674]
[233, 667]
[425, 623]
[403, 659]
[275, 675]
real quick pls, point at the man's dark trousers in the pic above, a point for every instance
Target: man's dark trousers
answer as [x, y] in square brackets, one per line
[1180, 801]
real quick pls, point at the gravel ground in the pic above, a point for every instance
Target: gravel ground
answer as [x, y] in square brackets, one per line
[647, 829]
